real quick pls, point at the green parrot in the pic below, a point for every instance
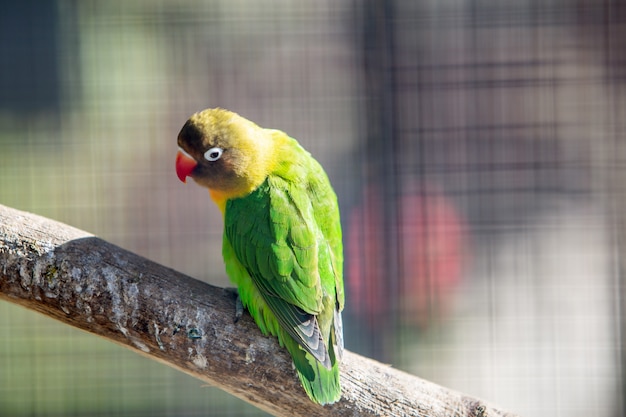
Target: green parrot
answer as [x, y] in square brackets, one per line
[282, 237]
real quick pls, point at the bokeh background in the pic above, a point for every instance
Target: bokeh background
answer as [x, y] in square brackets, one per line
[477, 149]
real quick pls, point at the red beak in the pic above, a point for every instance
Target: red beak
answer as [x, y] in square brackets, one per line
[184, 165]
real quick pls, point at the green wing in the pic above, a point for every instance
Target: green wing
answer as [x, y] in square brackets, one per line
[287, 236]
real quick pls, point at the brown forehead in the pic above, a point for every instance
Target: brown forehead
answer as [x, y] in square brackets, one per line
[194, 138]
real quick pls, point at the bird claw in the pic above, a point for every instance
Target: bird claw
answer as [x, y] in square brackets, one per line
[238, 308]
[238, 303]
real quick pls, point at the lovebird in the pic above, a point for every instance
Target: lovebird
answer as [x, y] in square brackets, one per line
[282, 243]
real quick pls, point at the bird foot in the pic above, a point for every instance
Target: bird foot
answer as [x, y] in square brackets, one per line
[238, 302]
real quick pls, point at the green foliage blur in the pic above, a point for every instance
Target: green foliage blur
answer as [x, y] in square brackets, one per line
[92, 97]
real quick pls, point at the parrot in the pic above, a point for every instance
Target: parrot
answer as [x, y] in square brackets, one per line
[282, 241]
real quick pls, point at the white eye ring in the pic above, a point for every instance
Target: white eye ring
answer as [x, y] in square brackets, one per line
[213, 154]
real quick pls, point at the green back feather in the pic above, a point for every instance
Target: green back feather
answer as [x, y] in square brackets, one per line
[282, 248]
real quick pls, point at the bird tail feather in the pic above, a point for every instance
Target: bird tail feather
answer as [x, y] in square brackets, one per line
[320, 383]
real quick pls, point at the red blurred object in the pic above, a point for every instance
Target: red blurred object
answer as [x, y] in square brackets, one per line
[430, 237]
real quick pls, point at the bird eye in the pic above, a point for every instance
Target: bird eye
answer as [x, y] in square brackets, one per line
[213, 154]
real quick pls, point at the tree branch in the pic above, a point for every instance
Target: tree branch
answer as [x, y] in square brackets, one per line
[85, 282]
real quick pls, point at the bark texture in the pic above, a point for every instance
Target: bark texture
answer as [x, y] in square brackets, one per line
[83, 281]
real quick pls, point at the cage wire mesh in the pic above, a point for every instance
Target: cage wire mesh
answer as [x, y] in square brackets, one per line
[475, 146]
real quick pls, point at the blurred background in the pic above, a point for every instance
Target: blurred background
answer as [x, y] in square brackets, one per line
[477, 149]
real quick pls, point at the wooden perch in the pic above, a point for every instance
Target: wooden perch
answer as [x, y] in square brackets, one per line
[85, 282]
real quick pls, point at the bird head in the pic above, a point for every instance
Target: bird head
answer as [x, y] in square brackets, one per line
[224, 152]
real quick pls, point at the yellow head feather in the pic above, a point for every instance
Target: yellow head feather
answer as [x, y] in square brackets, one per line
[248, 153]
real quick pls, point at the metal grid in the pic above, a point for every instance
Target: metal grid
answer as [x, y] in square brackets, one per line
[475, 148]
